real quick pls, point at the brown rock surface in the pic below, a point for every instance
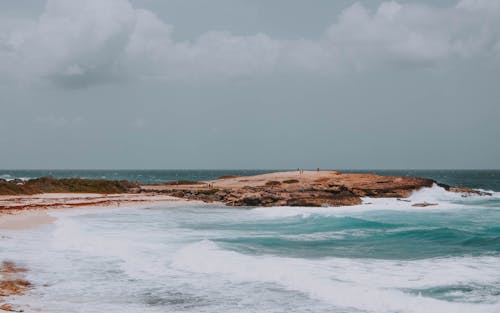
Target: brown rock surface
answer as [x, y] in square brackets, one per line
[465, 191]
[307, 188]
[12, 283]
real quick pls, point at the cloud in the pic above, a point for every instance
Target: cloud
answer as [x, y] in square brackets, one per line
[75, 44]
[71, 43]
[411, 34]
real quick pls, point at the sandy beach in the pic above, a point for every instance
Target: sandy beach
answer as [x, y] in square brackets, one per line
[25, 219]
[27, 211]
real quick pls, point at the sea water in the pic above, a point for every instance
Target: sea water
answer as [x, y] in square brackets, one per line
[485, 179]
[381, 256]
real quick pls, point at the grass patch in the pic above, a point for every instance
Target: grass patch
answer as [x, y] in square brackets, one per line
[183, 182]
[228, 176]
[66, 185]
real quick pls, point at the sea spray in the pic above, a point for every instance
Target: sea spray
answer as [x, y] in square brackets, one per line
[367, 285]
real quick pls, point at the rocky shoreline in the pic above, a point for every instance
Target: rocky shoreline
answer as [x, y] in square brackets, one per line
[294, 188]
[12, 283]
[298, 188]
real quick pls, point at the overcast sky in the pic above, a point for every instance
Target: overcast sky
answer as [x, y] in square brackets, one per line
[249, 84]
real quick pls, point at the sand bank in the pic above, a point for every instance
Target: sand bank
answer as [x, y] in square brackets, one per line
[24, 220]
[27, 211]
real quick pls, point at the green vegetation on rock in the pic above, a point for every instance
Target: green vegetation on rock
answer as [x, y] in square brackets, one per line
[65, 185]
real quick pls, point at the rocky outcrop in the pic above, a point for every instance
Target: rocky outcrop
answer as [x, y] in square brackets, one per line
[11, 284]
[464, 190]
[310, 188]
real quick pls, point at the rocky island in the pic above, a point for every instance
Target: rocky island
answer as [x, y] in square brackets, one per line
[298, 188]
[293, 188]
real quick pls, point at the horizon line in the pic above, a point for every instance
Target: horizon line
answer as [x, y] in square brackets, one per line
[249, 169]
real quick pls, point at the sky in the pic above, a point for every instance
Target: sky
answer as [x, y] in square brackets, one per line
[226, 84]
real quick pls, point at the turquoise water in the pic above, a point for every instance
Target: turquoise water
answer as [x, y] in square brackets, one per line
[382, 256]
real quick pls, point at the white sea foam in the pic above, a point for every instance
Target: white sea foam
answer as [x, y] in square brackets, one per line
[133, 250]
[368, 285]
[438, 196]
[8, 177]
[129, 254]
[438, 193]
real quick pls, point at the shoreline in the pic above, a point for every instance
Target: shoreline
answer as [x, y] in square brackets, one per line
[293, 188]
[29, 211]
[19, 213]
[301, 188]
[25, 220]
[12, 284]
[314, 189]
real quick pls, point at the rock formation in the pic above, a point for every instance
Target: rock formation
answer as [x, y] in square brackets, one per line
[11, 284]
[309, 188]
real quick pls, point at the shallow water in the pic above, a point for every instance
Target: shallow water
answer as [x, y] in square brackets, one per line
[382, 256]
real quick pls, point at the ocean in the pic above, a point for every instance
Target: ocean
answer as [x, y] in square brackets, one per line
[381, 256]
[482, 179]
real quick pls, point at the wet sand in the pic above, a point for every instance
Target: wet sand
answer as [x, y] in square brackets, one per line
[25, 219]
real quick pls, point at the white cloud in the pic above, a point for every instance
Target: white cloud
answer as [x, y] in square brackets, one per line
[76, 43]
[71, 40]
[412, 34]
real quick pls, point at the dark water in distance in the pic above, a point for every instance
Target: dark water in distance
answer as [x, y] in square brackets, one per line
[482, 179]
[141, 176]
